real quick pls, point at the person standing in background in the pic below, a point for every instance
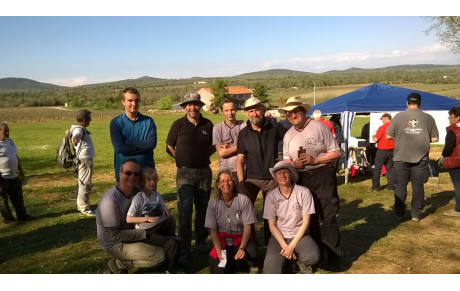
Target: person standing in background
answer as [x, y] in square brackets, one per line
[384, 155]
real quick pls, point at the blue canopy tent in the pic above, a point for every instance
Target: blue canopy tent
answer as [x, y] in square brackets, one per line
[378, 98]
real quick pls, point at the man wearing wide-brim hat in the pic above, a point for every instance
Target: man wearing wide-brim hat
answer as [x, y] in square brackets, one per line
[311, 148]
[257, 150]
[190, 143]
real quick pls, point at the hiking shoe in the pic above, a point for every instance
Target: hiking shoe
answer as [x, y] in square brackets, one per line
[26, 218]
[113, 266]
[88, 212]
[416, 219]
[254, 270]
[452, 212]
[304, 268]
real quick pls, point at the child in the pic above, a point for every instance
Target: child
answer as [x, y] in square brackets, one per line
[148, 209]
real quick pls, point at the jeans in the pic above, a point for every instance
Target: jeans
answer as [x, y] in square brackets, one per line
[84, 183]
[193, 187]
[455, 177]
[383, 157]
[12, 188]
[417, 174]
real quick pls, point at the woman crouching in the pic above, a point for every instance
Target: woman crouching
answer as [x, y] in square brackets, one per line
[288, 209]
[230, 217]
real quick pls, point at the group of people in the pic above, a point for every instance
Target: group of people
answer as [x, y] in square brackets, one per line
[293, 164]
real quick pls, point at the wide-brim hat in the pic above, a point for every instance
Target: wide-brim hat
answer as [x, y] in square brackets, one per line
[191, 97]
[251, 102]
[292, 103]
[285, 165]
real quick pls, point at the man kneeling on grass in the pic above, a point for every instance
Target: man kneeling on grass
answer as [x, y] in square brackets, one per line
[124, 244]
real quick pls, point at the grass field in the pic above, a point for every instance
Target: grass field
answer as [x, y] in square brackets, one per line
[61, 241]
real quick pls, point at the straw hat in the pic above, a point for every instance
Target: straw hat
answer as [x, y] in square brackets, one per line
[292, 103]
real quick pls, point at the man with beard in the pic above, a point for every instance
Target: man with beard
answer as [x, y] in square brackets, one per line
[257, 149]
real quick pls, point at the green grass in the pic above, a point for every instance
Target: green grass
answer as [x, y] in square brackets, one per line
[62, 241]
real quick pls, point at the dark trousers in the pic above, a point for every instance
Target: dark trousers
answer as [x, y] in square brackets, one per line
[12, 188]
[383, 157]
[234, 266]
[193, 188]
[417, 174]
[164, 236]
[251, 188]
[324, 228]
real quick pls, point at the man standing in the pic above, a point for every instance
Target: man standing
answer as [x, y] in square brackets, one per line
[117, 237]
[257, 149]
[225, 136]
[319, 117]
[84, 148]
[133, 135]
[310, 147]
[11, 175]
[413, 130]
[384, 156]
[189, 142]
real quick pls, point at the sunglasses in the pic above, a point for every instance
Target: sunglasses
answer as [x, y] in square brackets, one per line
[129, 173]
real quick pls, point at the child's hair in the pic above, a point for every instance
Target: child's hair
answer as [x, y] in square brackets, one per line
[148, 173]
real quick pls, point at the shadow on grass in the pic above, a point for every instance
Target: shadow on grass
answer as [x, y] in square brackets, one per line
[372, 223]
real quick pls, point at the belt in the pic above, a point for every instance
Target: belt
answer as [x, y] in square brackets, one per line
[312, 171]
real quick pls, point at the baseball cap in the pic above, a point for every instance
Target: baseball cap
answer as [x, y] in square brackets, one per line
[414, 97]
[386, 115]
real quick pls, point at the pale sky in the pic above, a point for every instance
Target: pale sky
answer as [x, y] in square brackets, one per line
[77, 50]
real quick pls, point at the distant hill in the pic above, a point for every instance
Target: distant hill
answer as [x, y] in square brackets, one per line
[271, 73]
[389, 68]
[25, 84]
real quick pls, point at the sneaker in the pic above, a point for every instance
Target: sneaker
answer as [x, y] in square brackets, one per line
[416, 219]
[452, 212]
[377, 189]
[88, 212]
[254, 270]
[304, 268]
[113, 266]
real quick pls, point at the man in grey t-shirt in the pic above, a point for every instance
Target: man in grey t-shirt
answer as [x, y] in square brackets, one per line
[413, 130]
[117, 237]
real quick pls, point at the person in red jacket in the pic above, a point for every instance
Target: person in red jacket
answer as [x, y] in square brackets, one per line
[451, 156]
[384, 155]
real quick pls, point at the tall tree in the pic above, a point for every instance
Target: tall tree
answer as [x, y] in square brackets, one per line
[447, 30]
[260, 92]
[219, 90]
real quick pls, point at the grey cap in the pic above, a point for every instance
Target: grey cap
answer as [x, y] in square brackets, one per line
[190, 97]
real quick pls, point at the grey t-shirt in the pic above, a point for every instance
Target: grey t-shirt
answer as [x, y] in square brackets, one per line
[315, 138]
[230, 219]
[111, 222]
[222, 133]
[412, 130]
[289, 212]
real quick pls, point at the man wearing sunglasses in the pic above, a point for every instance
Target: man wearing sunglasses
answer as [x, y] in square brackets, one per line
[123, 243]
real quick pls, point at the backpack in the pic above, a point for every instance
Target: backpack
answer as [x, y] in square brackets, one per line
[65, 153]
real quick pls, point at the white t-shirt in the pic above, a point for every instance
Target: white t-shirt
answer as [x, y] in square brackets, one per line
[142, 206]
[315, 138]
[87, 146]
[289, 212]
[230, 219]
[8, 159]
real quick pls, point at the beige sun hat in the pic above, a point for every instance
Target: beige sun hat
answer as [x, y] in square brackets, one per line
[292, 103]
[251, 102]
[285, 165]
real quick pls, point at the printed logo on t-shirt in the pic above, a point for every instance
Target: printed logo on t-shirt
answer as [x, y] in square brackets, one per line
[310, 143]
[297, 208]
[238, 216]
[412, 123]
[204, 132]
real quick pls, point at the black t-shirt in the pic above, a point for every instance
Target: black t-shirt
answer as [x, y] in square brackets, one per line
[193, 143]
[260, 149]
